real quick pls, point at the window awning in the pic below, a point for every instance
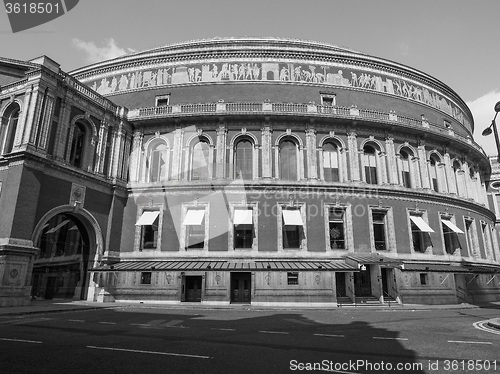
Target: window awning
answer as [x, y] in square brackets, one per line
[228, 265]
[147, 218]
[292, 218]
[58, 227]
[421, 224]
[242, 217]
[452, 226]
[194, 217]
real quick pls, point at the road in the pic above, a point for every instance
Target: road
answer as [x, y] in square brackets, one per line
[145, 339]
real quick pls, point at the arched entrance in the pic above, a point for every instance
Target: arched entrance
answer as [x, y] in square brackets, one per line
[67, 250]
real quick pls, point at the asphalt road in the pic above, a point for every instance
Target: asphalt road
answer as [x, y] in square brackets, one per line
[154, 340]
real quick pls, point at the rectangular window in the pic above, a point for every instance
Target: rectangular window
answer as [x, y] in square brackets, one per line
[379, 230]
[450, 231]
[194, 221]
[146, 277]
[292, 228]
[328, 100]
[371, 174]
[471, 235]
[293, 278]
[162, 100]
[419, 233]
[336, 226]
[243, 228]
[424, 279]
[488, 246]
[149, 229]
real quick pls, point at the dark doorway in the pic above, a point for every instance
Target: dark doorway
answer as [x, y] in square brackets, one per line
[193, 288]
[60, 267]
[385, 280]
[241, 287]
[340, 284]
[362, 282]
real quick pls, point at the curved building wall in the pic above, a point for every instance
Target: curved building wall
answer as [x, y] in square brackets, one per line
[278, 171]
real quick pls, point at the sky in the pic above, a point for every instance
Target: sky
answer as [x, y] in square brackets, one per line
[455, 41]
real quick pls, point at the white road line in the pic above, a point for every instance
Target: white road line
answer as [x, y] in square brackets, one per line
[223, 329]
[468, 342]
[147, 352]
[330, 335]
[274, 332]
[139, 324]
[483, 325]
[108, 323]
[383, 338]
[21, 340]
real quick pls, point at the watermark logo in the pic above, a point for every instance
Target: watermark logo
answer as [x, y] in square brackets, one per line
[26, 14]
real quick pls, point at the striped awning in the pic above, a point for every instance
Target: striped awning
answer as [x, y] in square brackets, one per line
[333, 265]
[483, 269]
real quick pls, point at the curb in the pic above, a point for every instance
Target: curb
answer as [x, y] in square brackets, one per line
[495, 323]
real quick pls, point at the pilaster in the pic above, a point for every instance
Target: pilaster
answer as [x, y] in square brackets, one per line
[266, 152]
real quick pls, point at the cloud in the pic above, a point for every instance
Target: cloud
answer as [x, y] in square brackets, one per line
[483, 112]
[95, 53]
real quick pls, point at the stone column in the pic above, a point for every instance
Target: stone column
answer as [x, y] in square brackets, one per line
[391, 160]
[135, 156]
[220, 171]
[312, 159]
[267, 167]
[177, 154]
[450, 174]
[423, 167]
[352, 151]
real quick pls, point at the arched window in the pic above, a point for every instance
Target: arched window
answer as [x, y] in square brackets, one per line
[158, 162]
[433, 171]
[331, 162]
[370, 163]
[8, 131]
[288, 160]
[200, 161]
[77, 146]
[243, 159]
[405, 167]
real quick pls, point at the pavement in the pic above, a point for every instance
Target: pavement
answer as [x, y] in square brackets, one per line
[64, 305]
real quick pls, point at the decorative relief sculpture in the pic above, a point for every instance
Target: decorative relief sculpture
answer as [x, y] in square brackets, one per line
[271, 71]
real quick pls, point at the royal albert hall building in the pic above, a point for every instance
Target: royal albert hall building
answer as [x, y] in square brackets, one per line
[242, 170]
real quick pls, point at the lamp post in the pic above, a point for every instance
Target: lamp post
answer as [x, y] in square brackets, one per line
[487, 131]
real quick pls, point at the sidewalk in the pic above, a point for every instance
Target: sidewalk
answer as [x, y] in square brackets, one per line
[61, 305]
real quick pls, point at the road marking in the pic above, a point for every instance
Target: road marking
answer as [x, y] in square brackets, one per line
[76, 320]
[274, 332]
[384, 338]
[468, 342]
[108, 323]
[148, 352]
[331, 335]
[223, 329]
[139, 324]
[483, 326]
[21, 340]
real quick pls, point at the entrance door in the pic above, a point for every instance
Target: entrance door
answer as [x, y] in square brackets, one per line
[362, 282]
[193, 288]
[340, 284]
[385, 283]
[240, 287]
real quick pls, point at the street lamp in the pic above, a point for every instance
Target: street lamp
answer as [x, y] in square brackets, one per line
[487, 131]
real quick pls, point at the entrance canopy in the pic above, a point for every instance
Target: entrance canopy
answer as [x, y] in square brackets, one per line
[371, 259]
[333, 265]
